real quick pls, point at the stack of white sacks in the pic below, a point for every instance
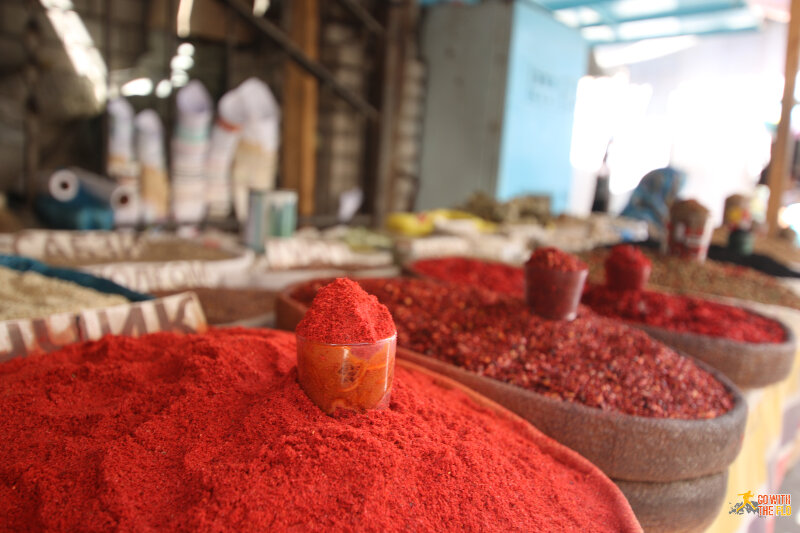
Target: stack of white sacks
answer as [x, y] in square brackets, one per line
[153, 183]
[190, 143]
[213, 168]
[244, 148]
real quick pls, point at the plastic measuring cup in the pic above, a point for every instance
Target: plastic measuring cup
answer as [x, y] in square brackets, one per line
[347, 376]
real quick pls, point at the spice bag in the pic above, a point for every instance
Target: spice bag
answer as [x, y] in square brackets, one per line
[153, 183]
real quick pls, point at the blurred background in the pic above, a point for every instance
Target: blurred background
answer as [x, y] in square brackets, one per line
[366, 108]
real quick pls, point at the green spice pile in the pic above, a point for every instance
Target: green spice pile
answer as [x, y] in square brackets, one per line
[710, 277]
[592, 360]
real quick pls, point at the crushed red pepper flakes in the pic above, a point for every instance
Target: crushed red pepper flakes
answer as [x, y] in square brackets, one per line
[592, 360]
[555, 259]
[500, 277]
[668, 311]
[684, 314]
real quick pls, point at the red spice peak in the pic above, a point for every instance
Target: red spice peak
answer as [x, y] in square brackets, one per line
[555, 259]
[684, 314]
[497, 276]
[343, 313]
[626, 254]
[212, 433]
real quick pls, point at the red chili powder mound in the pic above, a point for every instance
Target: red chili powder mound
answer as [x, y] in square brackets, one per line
[627, 255]
[592, 360]
[555, 259]
[212, 433]
[343, 313]
[500, 277]
[684, 313]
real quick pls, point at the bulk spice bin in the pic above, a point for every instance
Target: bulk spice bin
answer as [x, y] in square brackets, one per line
[752, 350]
[118, 311]
[771, 439]
[212, 432]
[654, 460]
[142, 262]
[763, 354]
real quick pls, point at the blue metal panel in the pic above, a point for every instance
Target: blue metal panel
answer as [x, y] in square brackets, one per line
[546, 61]
[633, 20]
[684, 11]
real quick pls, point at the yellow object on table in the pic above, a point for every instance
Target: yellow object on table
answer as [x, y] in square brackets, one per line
[410, 224]
[421, 224]
[771, 444]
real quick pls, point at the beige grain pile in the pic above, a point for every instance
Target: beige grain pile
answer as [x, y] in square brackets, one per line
[32, 295]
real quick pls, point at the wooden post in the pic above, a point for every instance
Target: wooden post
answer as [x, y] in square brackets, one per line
[397, 35]
[782, 149]
[300, 108]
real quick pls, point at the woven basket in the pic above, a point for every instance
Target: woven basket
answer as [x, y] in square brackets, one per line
[678, 507]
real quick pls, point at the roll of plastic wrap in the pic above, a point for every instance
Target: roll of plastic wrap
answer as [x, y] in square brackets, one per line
[62, 185]
[80, 188]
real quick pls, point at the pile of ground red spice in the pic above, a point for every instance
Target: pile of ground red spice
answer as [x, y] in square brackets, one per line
[555, 259]
[212, 433]
[343, 313]
[684, 314]
[592, 360]
[500, 277]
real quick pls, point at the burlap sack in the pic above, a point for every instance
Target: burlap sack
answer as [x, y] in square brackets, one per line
[677, 507]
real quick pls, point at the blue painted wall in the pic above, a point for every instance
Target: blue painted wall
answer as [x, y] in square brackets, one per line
[546, 61]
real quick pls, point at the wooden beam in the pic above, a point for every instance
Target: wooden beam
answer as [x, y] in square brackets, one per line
[782, 149]
[364, 16]
[296, 53]
[300, 108]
